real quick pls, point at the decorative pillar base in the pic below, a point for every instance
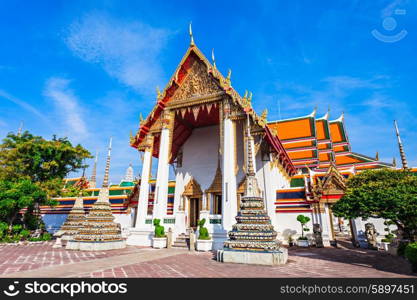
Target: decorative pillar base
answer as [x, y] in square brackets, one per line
[140, 237]
[279, 257]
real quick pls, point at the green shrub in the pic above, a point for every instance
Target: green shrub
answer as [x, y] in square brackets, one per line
[302, 238]
[3, 229]
[159, 229]
[46, 236]
[35, 239]
[25, 233]
[16, 228]
[411, 255]
[203, 232]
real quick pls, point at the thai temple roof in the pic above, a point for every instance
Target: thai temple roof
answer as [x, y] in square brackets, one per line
[317, 142]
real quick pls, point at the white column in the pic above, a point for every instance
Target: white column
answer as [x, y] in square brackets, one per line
[142, 210]
[161, 188]
[229, 198]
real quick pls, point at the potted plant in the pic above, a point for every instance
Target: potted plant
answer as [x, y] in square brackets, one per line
[159, 240]
[302, 241]
[389, 237]
[204, 241]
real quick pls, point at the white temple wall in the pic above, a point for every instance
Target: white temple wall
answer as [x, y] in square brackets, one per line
[359, 228]
[200, 158]
[200, 155]
[289, 226]
[125, 220]
[240, 151]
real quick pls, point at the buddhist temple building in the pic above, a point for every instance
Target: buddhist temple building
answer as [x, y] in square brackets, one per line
[198, 126]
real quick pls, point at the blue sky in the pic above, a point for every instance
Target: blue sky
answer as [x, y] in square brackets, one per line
[86, 69]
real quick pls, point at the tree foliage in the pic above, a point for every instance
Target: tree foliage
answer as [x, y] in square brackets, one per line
[32, 171]
[40, 160]
[385, 193]
[15, 196]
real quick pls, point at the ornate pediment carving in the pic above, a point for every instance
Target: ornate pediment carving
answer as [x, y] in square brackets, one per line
[198, 82]
[333, 183]
[192, 189]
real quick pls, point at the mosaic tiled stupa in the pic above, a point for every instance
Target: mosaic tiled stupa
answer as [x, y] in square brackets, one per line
[99, 231]
[253, 238]
[74, 221]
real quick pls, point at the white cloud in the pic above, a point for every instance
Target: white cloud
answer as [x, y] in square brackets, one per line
[22, 104]
[127, 51]
[57, 89]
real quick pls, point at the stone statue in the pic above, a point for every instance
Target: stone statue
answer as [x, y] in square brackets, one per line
[317, 232]
[371, 234]
[192, 240]
[169, 238]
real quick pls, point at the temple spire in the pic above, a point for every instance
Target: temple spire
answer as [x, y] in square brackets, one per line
[106, 171]
[93, 178]
[377, 156]
[400, 146]
[191, 35]
[251, 189]
[394, 162]
[19, 131]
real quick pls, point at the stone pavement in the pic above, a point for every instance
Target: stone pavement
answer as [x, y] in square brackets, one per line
[41, 260]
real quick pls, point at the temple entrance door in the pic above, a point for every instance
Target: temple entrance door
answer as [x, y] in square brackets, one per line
[194, 212]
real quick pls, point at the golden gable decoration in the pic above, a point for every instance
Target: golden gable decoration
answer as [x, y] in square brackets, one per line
[197, 83]
[192, 189]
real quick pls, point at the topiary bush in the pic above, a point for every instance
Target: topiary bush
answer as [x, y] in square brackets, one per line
[159, 229]
[203, 232]
[411, 255]
[303, 221]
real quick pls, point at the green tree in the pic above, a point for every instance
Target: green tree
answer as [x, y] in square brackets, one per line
[15, 196]
[32, 171]
[40, 160]
[385, 193]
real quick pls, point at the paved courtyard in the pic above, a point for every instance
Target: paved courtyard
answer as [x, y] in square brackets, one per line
[41, 260]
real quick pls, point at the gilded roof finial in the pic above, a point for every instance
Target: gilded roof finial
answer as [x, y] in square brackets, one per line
[141, 119]
[250, 97]
[400, 146]
[228, 78]
[246, 94]
[213, 58]
[158, 93]
[191, 35]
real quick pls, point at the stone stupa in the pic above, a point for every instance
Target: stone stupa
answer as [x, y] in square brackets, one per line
[75, 219]
[99, 231]
[253, 238]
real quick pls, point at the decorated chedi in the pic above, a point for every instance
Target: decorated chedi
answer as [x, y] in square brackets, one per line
[99, 231]
[253, 238]
[74, 221]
